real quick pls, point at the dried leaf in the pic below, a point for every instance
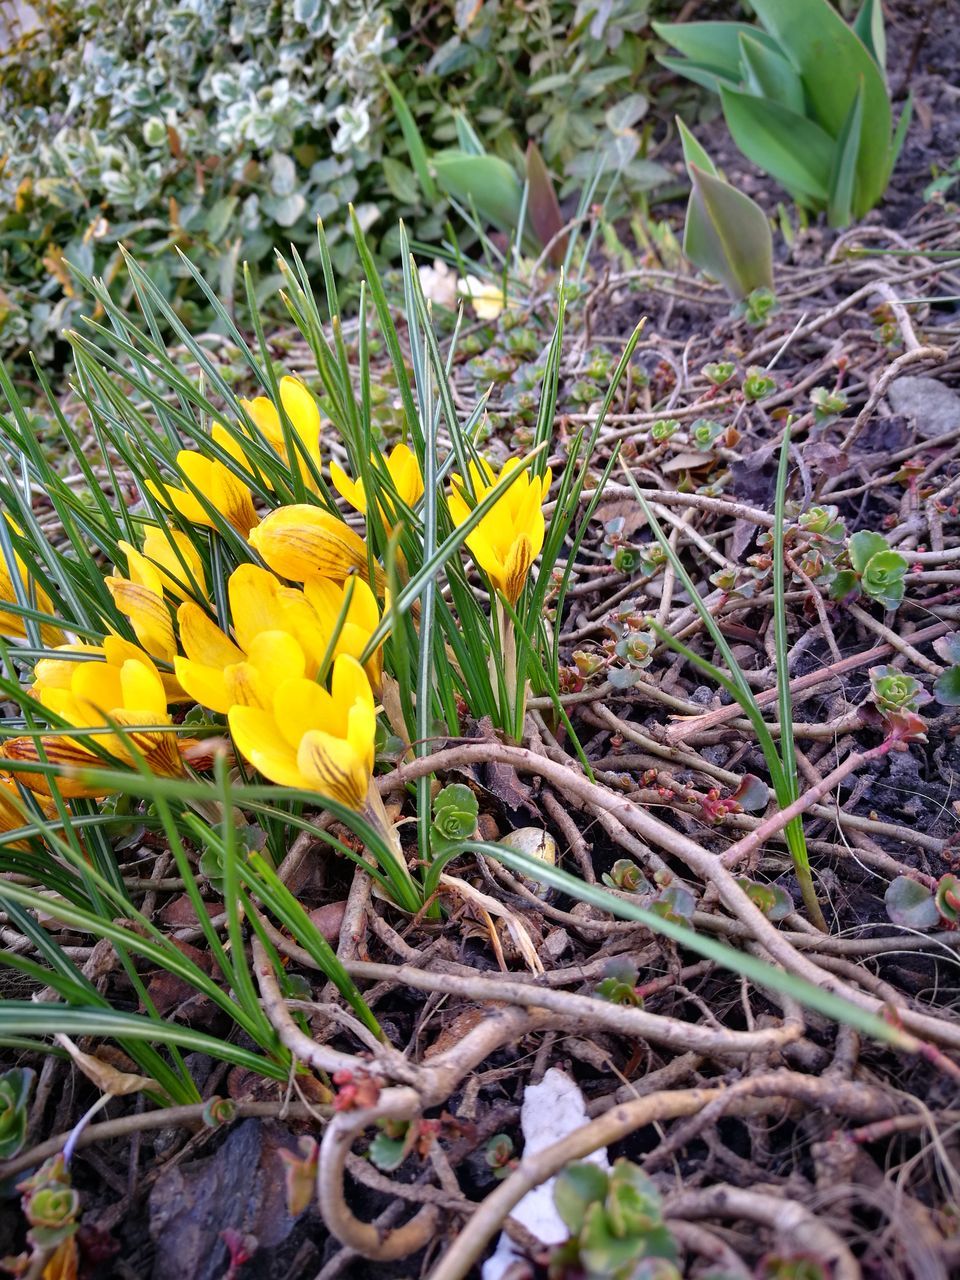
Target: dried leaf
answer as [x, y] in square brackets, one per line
[107, 1078]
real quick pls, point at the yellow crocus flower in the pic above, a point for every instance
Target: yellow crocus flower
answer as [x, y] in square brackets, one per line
[140, 599]
[314, 740]
[404, 471]
[224, 491]
[302, 541]
[12, 624]
[510, 536]
[125, 689]
[279, 632]
[57, 673]
[360, 621]
[301, 408]
[178, 572]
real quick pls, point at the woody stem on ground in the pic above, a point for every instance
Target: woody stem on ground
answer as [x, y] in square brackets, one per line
[774, 824]
[699, 860]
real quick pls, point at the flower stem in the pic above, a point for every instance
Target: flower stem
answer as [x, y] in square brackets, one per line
[407, 893]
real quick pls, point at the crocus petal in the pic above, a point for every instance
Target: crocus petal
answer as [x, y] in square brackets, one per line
[142, 689]
[206, 685]
[259, 740]
[202, 639]
[351, 490]
[331, 767]
[302, 705]
[301, 541]
[517, 567]
[148, 615]
[56, 750]
[177, 562]
[252, 592]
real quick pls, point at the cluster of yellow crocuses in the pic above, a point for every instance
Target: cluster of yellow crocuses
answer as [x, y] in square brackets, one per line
[301, 708]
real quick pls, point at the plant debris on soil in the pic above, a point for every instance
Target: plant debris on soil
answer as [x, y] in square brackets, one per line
[769, 1131]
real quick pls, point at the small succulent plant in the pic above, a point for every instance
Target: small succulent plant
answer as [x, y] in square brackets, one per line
[455, 812]
[757, 385]
[616, 1226]
[15, 1086]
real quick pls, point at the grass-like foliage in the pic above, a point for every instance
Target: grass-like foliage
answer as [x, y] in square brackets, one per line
[206, 652]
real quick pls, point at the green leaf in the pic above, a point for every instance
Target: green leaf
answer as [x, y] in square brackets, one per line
[831, 58]
[795, 151]
[576, 1189]
[601, 1249]
[401, 181]
[485, 181]
[770, 75]
[15, 1086]
[710, 45]
[389, 1153]
[706, 76]
[694, 154]
[468, 140]
[868, 25]
[903, 124]
[843, 176]
[219, 217]
[863, 546]
[727, 235]
[911, 904]
[414, 140]
[946, 688]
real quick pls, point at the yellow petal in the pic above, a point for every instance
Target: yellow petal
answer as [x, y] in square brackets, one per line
[177, 561]
[330, 766]
[142, 690]
[259, 740]
[302, 705]
[350, 684]
[96, 686]
[517, 568]
[405, 473]
[57, 673]
[254, 606]
[351, 490]
[301, 541]
[56, 750]
[206, 685]
[149, 616]
[202, 640]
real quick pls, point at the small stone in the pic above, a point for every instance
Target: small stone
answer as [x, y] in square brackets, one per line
[932, 406]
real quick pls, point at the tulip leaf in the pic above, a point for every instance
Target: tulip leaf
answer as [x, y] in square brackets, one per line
[693, 153]
[843, 177]
[543, 207]
[485, 181]
[467, 138]
[710, 46]
[769, 74]
[727, 235]
[868, 25]
[831, 58]
[792, 149]
[699, 72]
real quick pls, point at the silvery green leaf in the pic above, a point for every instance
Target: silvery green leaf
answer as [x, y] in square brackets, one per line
[283, 175]
[285, 210]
